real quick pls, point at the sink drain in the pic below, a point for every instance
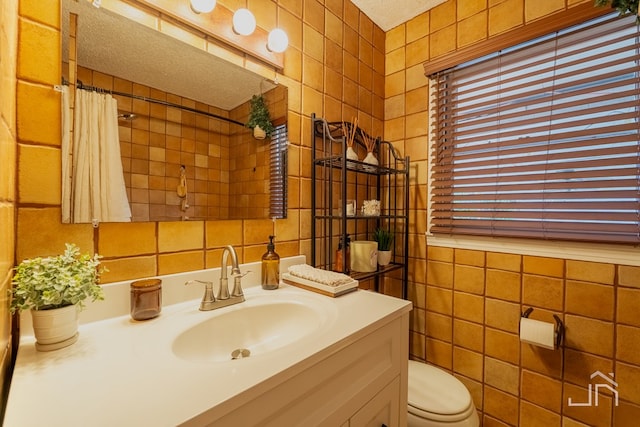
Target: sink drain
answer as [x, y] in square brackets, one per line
[240, 353]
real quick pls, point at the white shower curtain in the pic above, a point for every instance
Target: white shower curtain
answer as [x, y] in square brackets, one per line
[96, 182]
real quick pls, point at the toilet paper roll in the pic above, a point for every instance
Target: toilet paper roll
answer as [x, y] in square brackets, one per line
[538, 333]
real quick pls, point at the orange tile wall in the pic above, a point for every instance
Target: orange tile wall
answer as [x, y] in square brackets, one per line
[467, 303]
[8, 148]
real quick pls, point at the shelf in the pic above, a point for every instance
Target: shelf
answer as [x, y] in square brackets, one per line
[336, 179]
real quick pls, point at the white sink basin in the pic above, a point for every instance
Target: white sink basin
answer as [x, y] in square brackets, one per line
[247, 331]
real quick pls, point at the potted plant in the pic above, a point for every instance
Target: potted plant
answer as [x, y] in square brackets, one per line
[384, 238]
[54, 289]
[622, 6]
[259, 119]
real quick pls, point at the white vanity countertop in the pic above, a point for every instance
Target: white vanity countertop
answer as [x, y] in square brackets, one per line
[124, 373]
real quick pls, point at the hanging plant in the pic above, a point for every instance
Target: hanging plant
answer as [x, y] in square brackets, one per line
[259, 116]
[623, 6]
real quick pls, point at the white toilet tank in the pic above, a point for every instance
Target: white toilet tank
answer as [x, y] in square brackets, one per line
[437, 398]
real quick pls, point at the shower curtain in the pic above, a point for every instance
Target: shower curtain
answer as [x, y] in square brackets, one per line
[92, 168]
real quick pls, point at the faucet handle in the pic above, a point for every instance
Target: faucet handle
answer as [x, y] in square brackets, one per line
[208, 298]
[237, 283]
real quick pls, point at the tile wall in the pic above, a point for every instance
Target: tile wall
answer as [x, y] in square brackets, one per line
[8, 147]
[467, 303]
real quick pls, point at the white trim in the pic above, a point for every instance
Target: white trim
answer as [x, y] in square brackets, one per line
[605, 253]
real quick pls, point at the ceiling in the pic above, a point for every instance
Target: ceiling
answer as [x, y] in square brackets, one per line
[388, 14]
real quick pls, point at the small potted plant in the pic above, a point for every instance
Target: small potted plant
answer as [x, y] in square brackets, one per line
[624, 7]
[259, 119]
[384, 238]
[54, 289]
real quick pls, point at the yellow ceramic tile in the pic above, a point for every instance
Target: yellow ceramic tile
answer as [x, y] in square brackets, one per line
[543, 292]
[468, 335]
[313, 14]
[502, 315]
[467, 363]
[469, 279]
[629, 276]
[536, 10]
[501, 261]
[443, 41]
[395, 38]
[503, 284]
[590, 271]
[553, 267]
[505, 16]
[439, 353]
[417, 322]
[257, 231]
[628, 344]
[313, 43]
[590, 335]
[628, 306]
[41, 233]
[472, 29]
[415, 78]
[501, 405]
[501, 375]
[440, 253]
[440, 274]
[470, 257]
[129, 268]
[469, 8]
[33, 9]
[126, 239]
[596, 416]
[469, 307]
[589, 299]
[417, 124]
[180, 236]
[43, 187]
[417, 27]
[502, 345]
[628, 379]
[544, 361]
[443, 15]
[222, 233]
[439, 300]
[180, 262]
[437, 326]
[39, 47]
[541, 390]
[38, 113]
[532, 415]
[579, 366]
[333, 27]
[626, 414]
[312, 73]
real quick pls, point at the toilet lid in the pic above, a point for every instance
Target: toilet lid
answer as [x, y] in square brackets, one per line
[435, 391]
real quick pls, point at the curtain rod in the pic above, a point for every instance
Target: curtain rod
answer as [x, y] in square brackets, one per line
[80, 85]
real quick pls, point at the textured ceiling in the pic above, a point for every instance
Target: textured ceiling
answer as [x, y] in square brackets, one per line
[388, 14]
[118, 46]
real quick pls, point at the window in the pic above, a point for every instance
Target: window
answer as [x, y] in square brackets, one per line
[542, 140]
[278, 172]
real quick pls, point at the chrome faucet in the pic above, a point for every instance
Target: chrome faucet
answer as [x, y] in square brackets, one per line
[209, 301]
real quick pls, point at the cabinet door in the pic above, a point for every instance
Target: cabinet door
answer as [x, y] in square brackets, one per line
[383, 410]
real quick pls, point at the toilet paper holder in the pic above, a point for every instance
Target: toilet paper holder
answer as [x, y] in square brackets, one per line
[559, 325]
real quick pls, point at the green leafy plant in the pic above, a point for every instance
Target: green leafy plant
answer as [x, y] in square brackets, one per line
[55, 282]
[259, 115]
[622, 6]
[384, 238]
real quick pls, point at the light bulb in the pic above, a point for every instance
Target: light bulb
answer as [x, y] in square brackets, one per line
[277, 40]
[203, 6]
[244, 23]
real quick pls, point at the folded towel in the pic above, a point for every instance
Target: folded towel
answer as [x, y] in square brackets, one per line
[326, 277]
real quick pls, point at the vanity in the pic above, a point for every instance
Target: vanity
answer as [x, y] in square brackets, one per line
[309, 360]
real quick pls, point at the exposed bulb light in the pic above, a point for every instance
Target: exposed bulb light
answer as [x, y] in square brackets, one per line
[277, 40]
[244, 23]
[203, 6]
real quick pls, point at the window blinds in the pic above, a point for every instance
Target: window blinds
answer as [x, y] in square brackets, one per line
[278, 172]
[542, 140]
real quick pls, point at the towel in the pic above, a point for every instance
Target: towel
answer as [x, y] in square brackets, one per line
[330, 278]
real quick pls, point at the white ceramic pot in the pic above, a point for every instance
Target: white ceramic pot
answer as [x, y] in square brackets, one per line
[384, 257]
[259, 133]
[55, 328]
[351, 154]
[370, 159]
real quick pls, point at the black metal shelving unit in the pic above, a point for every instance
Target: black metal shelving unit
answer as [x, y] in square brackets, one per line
[336, 179]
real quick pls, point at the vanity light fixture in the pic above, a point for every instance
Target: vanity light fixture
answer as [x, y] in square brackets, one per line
[277, 40]
[203, 6]
[244, 23]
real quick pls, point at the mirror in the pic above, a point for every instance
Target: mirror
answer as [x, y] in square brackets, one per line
[195, 135]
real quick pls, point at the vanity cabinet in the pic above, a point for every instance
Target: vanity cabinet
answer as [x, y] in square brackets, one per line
[341, 185]
[359, 383]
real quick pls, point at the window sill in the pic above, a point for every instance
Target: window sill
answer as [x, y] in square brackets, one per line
[605, 253]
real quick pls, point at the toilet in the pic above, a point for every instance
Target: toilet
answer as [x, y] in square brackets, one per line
[437, 398]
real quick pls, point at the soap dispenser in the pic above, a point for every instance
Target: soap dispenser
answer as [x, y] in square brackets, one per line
[270, 267]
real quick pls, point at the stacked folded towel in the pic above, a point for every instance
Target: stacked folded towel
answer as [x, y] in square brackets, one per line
[326, 277]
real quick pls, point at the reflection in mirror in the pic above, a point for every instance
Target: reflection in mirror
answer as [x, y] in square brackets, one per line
[185, 152]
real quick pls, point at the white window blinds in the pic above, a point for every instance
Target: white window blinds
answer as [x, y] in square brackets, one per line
[542, 140]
